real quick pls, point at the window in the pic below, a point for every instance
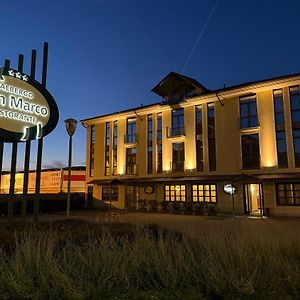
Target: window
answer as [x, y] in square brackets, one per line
[149, 145]
[92, 150]
[130, 131]
[107, 145]
[288, 194]
[204, 193]
[182, 93]
[131, 161]
[159, 142]
[250, 151]
[295, 108]
[175, 193]
[211, 137]
[248, 112]
[178, 157]
[280, 129]
[115, 148]
[199, 138]
[110, 193]
[177, 122]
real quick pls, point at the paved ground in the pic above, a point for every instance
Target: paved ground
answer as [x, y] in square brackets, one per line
[192, 224]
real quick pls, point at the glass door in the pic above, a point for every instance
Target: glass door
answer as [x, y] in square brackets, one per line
[253, 199]
[131, 196]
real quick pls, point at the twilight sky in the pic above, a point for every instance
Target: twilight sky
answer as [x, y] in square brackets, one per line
[106, 55]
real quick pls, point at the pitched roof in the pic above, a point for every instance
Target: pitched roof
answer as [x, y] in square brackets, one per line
[173, 80]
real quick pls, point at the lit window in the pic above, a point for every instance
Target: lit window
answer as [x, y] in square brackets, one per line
[175, 193]
[204, 193]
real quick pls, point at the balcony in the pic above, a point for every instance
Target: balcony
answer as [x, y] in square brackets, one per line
[177, 166]
[130, 138]
[132, 170]
[175, 132]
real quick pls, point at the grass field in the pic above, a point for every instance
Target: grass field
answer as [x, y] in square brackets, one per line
[78, 260]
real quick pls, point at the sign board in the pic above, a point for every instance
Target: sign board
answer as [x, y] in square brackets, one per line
[229, 189]
[27, 109]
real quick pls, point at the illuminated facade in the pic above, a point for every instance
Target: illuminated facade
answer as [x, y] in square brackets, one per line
[194, 142]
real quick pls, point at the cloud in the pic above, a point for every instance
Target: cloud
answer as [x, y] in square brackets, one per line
[55, 164]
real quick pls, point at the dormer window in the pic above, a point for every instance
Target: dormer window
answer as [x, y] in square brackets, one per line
[175, 88]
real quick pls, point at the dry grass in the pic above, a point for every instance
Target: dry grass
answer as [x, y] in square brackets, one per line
[76, 260]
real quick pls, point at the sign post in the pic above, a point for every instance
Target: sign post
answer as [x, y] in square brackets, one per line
[27, 112]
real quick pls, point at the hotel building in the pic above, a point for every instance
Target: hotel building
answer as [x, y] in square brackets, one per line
[196, 144]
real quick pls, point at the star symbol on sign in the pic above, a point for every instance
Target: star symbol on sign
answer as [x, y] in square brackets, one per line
[11, 73]
[18, 75]
[25, 78]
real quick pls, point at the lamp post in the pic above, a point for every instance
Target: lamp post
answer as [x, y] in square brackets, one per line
[70, 127]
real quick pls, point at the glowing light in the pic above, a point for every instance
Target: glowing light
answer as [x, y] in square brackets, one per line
[38, 130]
[25, 134]
[121, 170]
[270, 163]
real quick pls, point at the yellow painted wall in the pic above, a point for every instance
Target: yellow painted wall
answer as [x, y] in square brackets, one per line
[227, 136]
[267, 129]
[190, 140]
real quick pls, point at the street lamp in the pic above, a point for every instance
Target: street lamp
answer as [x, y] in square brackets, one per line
[70, 127]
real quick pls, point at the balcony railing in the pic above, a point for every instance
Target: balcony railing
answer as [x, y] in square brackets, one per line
[178, 166]
[131, 169]
[130, 138]
[175, 132]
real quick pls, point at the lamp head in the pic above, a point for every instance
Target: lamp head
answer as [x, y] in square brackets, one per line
[71, 126]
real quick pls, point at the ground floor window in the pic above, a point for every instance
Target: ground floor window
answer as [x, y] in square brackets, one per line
[175, 192]
[204, 193]
[110, 192]
[288, 193]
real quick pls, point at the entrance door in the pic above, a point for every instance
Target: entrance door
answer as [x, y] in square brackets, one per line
[131, 196]
[253, 199]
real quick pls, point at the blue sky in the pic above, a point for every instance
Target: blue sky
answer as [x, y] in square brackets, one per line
[106, 55]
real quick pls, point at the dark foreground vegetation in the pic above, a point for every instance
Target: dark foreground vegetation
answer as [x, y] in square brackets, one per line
[77, 260]
[48, 202]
